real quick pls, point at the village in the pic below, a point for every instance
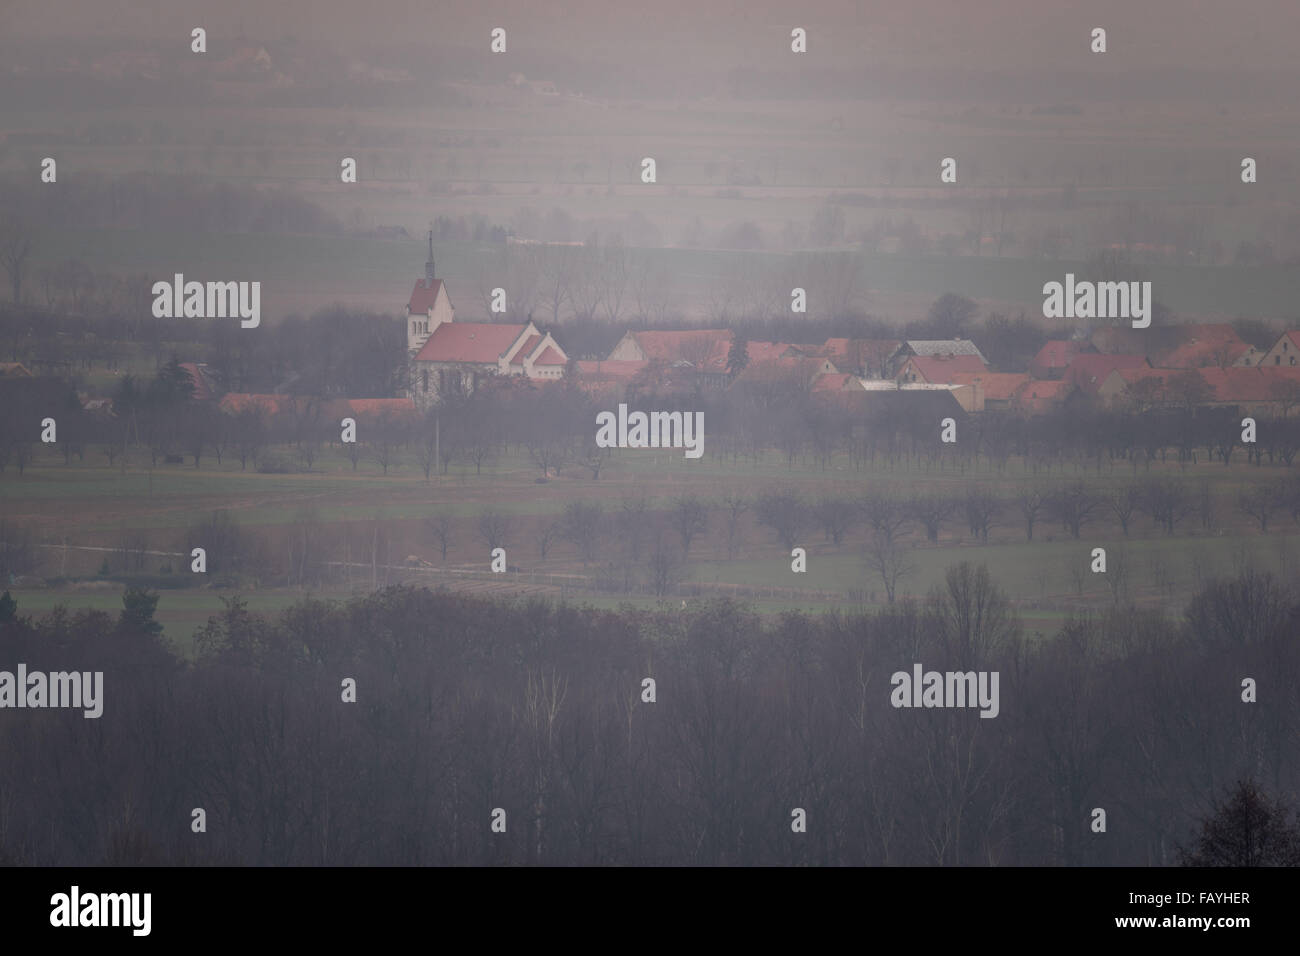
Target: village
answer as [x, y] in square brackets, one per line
[1106, 366]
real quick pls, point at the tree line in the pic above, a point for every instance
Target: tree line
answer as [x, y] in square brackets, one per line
[465, 705]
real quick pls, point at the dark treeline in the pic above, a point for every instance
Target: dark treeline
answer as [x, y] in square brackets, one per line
[465, 705]
[335, 352]
[165, 202]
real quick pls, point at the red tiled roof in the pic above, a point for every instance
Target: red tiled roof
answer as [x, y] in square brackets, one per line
[549, 357]
[479, 342]
[235, 403]
[766, 351]
[1228, 384]
[611, 371]
[839, 382]
[837, 348]
[798, 369]
[1057, 353]
[377, 408]
[703, 348]
[1200, 353]
[940, 368]
[1087, 372]
[422, 297]
[1037, 396]
[525, 349]
[998, 386]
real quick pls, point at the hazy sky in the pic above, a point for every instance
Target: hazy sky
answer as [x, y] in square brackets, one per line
[975, 34]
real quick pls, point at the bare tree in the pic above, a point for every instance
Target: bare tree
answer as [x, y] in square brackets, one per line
[1123, 502]
[931, 511]
[630, 521]
[734, 505]
[582, 523]
[1263, 500]
[785, 513]
[439, 527]
[885, 555]
[690, 516]
[492, 526]
[885, 516]
[665, 567]
[547, 532]
[836, 516]
[426, 450]
[555, 275]
[1031, 502]
[1074, 505]
[613, 278]
[1167, 501]
[594, 458]
[981, 508]
[17, 239]
[1118, 569]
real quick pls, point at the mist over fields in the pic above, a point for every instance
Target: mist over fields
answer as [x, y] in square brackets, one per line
[951, 572]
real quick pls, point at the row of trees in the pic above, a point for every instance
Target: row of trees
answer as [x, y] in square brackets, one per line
[465, 705]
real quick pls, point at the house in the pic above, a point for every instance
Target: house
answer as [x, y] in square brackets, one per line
[1040, 397]
[1179, 346]
[768, 351]
[14, 370]
[921, 405]
[1053, 358]
[373, 411]
[268, 405]
[611, 381]
[997, 389]
[797, 373]
[1263, 392]
[938, 347]
[1087, 372]
[1206, 346]
[868, 358]
[1285, 352]
[837, 382]
[447, 357]
[939, 369]
[967, 398]
[702, 352]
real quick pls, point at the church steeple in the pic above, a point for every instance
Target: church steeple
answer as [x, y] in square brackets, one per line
[428, 266]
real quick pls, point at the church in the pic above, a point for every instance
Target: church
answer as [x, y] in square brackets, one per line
[449, 358]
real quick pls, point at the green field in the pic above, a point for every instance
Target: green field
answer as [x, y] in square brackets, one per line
[84, 513]
[304, 273]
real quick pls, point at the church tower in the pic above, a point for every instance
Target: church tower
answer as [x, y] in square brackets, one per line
[427, 308]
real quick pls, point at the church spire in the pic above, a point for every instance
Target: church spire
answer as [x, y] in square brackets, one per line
[428, 266]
